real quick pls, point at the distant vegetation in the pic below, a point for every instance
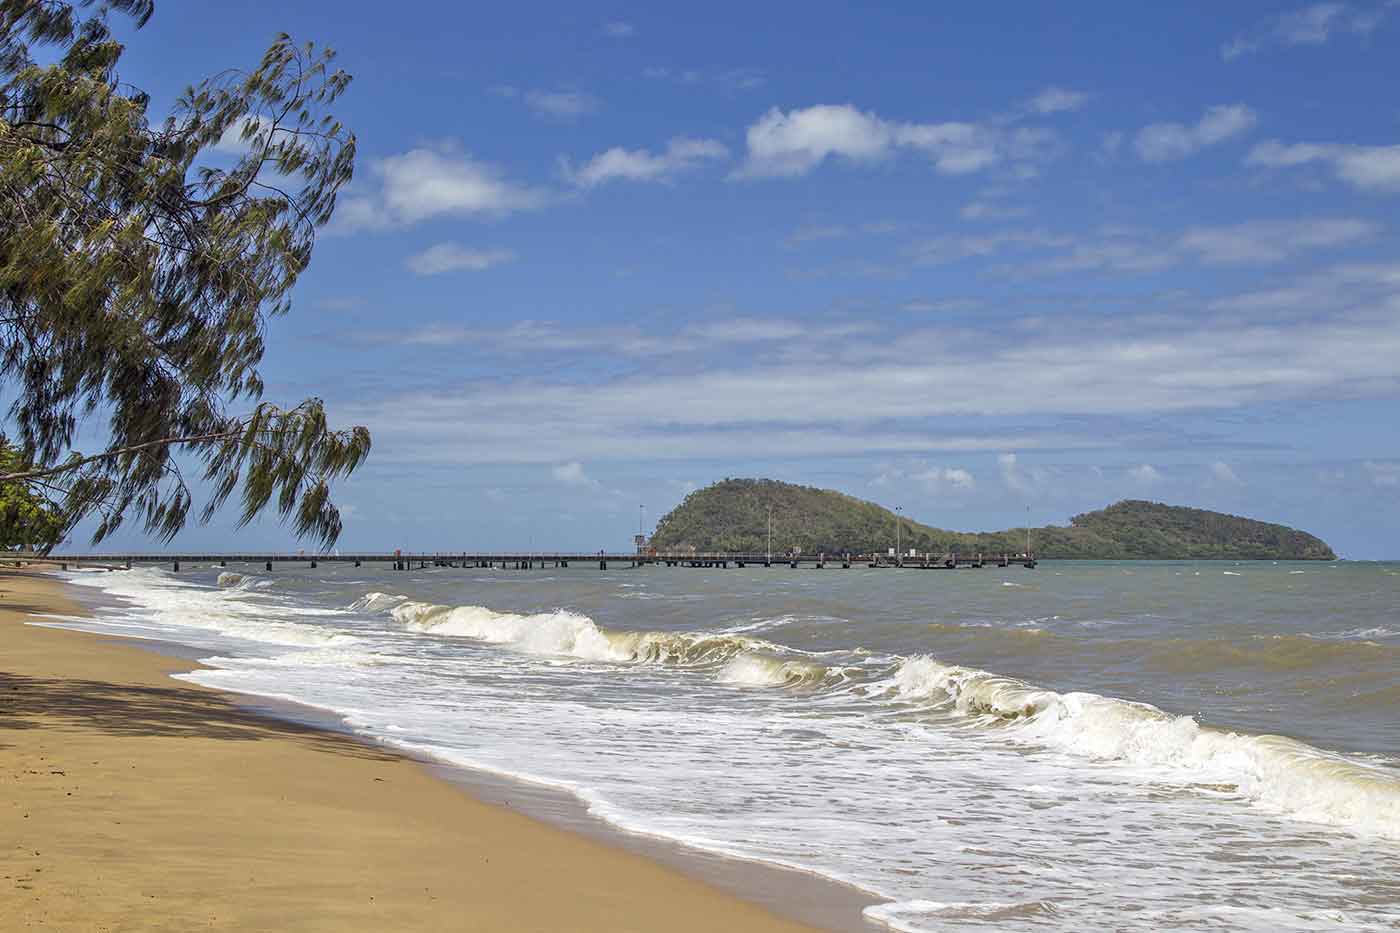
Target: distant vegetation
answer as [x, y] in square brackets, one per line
[733, 516]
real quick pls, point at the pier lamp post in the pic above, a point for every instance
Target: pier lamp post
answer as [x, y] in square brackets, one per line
[770, 534]
[898, 520]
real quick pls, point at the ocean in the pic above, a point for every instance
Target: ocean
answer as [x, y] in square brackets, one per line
[1124, 746]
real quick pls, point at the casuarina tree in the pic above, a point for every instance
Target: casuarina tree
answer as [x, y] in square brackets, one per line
[141, 259]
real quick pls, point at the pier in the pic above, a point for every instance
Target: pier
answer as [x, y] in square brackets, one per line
[515, 560]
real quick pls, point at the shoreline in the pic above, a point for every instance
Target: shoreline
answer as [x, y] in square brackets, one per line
[611, 879]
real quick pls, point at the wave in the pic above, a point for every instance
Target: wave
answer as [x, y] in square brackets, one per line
[243, 581]
[376, 602]
[736, 659]
[1279, 774]
[912, 915]
[755, 670]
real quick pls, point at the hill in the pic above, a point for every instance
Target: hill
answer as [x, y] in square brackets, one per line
[733, 516]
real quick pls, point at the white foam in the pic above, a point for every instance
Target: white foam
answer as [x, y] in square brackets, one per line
[1277, 773]
[376, 602]
[561, 632]
[754, 670]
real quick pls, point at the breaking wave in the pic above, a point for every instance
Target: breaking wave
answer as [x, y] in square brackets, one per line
[1280, 774]
[736, 659]
[755, 670]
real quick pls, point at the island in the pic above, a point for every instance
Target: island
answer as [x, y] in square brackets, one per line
[733, 516]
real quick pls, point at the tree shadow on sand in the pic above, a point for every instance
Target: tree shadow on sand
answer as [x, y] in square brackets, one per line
[168, 712]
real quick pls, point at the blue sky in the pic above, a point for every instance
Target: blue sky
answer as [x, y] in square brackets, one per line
[961, 258]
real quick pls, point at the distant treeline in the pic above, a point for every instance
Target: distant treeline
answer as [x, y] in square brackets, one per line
[732, 515]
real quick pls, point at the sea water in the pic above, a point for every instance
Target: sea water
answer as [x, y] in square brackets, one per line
[1125, 746]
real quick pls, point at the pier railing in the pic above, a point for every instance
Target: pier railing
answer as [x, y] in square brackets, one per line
[526, 560]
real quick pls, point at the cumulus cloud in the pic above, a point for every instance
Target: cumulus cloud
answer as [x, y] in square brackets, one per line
[422, 184]
[945, 478]
[1223, 472]
[934, 478]
[681, 154]
[1144, 474]
[454, 257]
[792, 143]
[1011, 473]
[1273, 241]
[619, 30]
[1310, 25]
[1163, 142]
[1366, 167]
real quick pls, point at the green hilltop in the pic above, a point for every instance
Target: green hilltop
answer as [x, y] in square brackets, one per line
[732, 516]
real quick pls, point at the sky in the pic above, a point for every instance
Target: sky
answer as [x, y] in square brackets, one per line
[986, 262]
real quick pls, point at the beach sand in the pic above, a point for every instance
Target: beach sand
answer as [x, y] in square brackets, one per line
[131, 801]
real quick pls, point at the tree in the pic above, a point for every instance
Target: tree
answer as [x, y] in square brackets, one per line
[139, 268]
[27, 520]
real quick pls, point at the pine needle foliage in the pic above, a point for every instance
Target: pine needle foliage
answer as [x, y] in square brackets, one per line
[140, 262]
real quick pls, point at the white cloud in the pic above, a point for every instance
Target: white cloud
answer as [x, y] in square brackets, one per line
[454, 257]
[421, 184]
[793, 143]
[1057, 100]
[1111, 254]
[1273, 241]
[729, 79]
[1383, 473]
[1162, 142]
[233, 142]
[619, 30]
[951, 248]
[572, 474]
[748, 330]
[945, 478]
[1366, 167]
[1310, 25]
[1223, 472]
[1011, 473]
[617, 163]
[981, 210]
[561, 104]
[1331, 336]
[1144, 474]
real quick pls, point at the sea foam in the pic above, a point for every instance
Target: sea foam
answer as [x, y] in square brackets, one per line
[1278, 773]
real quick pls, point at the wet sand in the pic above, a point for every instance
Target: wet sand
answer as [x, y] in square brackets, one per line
[132, 801]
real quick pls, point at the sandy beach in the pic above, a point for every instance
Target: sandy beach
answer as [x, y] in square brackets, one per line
[132, 801]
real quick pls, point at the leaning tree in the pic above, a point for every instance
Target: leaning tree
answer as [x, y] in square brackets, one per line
[140, 262]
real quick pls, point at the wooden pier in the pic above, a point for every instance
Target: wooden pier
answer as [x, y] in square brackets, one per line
[537, 560]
